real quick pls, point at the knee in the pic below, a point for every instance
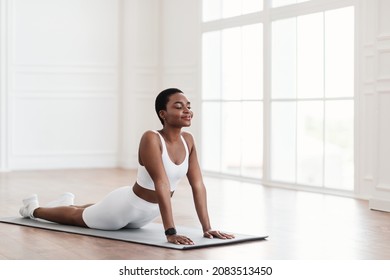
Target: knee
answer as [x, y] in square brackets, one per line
[76, 217]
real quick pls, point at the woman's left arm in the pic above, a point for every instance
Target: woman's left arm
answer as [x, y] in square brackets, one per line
[195, 179]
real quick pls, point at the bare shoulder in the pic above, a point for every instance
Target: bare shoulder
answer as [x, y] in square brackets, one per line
[150, 137]
[149, 134]
[189, 139]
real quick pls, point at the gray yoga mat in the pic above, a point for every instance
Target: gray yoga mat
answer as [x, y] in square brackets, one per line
[150, 234]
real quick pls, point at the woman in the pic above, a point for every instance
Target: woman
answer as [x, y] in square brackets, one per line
[164, 156]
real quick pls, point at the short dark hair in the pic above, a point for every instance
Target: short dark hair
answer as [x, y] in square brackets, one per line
[162, 100]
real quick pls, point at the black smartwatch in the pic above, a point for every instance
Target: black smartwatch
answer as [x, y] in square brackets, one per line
[170, 231]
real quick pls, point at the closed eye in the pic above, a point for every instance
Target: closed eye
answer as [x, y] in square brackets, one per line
[180, 105]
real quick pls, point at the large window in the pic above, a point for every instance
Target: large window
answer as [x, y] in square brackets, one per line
[300, 100]
[219, 9]
[312, 99]
[232, 101]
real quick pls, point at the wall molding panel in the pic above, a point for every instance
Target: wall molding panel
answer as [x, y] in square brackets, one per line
[146, 79]
[377, 122]
[383, 19]
[63, 90]
[181, 76]
[60, 78]
[4, 142]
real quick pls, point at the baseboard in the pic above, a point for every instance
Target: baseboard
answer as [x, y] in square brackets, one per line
[127, 164]
[71, 160]
[380, 205]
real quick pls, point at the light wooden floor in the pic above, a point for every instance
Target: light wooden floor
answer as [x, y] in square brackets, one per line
[301, 225]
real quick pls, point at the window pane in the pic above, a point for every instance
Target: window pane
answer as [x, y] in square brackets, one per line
[251, 6]
[211, 140]
[231, 8]
[284, 58]
[231, 64]
[211, 10]
[252, 140]
[339, 144]
[279, 3]
[339, 52]
[252, 51]
[310, 56]
[217, 9]
[283, 141]
[231, 135]
[211, 65]
[310, 143]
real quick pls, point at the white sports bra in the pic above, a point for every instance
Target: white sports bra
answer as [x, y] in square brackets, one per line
[175, 172]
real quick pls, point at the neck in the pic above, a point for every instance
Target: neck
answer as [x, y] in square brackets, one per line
[171, 134]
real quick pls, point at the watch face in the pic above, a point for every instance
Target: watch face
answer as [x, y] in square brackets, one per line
[170, 231]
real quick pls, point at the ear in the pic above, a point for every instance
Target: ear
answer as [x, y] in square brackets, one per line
[162, 114]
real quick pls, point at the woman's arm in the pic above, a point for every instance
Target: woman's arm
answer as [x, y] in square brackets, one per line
[195, 179]
[150, 157]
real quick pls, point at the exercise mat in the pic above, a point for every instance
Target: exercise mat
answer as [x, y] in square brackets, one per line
[151, 234]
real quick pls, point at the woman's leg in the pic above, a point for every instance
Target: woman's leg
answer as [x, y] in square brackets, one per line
[119, 208]
[67, 215]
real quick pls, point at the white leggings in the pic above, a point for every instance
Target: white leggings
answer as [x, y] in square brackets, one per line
[121, 208]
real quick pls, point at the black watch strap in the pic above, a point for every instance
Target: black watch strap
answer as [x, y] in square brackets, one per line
[170, 231]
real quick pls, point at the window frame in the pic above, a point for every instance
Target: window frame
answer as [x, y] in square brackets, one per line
[266, 17]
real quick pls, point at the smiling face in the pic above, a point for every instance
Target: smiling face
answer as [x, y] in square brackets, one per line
[178, 111]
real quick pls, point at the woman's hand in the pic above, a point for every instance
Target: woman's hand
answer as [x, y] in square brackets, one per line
[218, 234]
[179, 240]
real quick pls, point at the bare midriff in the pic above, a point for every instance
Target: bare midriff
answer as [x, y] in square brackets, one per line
[145, 194]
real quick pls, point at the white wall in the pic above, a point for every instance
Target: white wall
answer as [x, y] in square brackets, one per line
[3, 88]
[141, 74]
[374, 110]
[181, 53]
[82, 92]
[161, 49]
[60, 90]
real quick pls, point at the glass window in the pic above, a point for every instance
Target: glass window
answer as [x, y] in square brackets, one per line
[252, 62]
[231, 8]
[231, 135]
[283, 141]
[310, 143]
[231, 63]
[310, 56]
[339, 144]
[310, 105]
[310, 48]
[339, 52]
[251, 6]
[252, 139]
[284, 58]
[212, 10]
[218, 9]
[211, 61]
[280, 3]
[212, 139]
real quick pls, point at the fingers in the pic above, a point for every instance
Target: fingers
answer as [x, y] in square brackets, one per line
[218, 234]
[208, 235]
[227, 236]
[184, 240]
[180, 240]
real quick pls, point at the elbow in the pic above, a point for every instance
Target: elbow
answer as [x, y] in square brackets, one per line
[162, 187]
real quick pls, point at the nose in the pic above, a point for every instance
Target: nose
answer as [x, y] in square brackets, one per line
[187, 111]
